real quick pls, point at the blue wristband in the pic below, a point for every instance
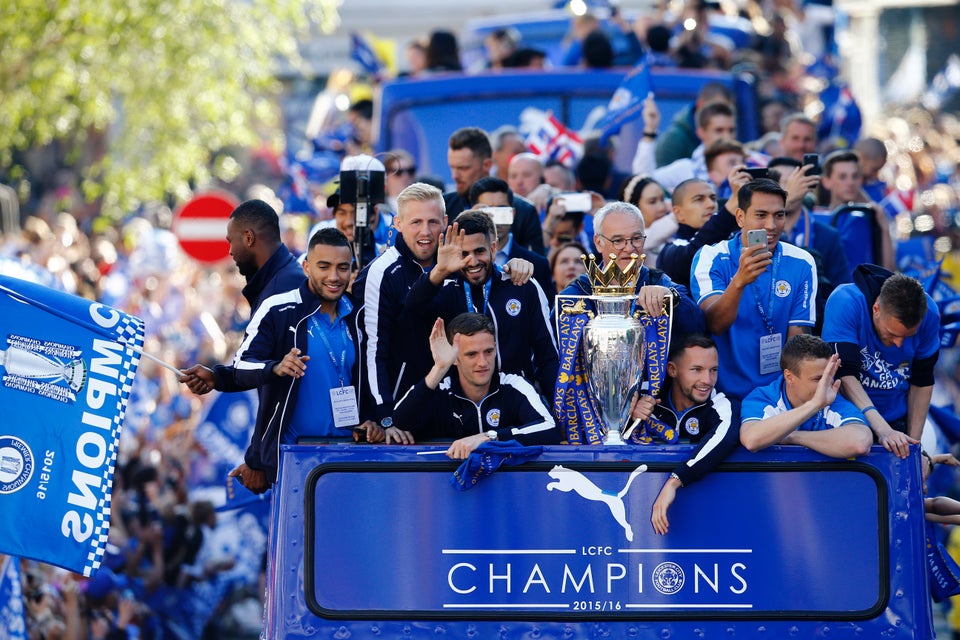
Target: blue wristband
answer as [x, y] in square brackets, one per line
[869, 408]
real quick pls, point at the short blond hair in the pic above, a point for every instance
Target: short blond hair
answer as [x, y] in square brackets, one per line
[420, 192]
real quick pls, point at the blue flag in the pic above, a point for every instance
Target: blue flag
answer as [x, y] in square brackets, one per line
[627, 101]
[841, 116]
[67, 367]
[12, 622]
[362, 51]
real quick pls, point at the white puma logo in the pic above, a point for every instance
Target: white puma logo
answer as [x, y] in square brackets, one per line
[571, 480]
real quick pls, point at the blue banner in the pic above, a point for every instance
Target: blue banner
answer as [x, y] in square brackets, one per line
[67, 367]
[472, 556]
[12, 622]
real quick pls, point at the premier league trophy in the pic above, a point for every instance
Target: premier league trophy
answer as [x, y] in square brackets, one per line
[614, 349]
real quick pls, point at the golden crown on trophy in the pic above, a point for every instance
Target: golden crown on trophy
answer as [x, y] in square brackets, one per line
[611, 280]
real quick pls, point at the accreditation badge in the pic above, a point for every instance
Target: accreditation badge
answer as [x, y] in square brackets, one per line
[344, 403]
[770, 347]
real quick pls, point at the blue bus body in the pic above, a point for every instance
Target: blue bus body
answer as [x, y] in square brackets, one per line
[373, 542]
[419, 115]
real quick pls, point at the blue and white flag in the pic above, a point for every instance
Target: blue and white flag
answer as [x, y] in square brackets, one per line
[67, 367]
[13, 624]
[627, 101]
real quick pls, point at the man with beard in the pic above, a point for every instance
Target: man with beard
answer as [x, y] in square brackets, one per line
[303, 396]
[253, 232]
[467, 280]
[690, 406]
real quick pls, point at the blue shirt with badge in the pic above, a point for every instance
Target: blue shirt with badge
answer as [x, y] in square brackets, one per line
[771, 400]
[332, 356]
[784, 295]
[884, 372]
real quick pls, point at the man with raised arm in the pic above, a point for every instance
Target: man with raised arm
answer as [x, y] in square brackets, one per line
[886, 329]
[802, 406]
[474, 403]
[466, 279]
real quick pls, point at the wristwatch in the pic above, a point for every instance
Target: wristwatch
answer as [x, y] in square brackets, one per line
[677, 478]
[387, 422]
[491, 435]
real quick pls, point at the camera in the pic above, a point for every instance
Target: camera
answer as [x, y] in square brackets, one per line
[757, 172]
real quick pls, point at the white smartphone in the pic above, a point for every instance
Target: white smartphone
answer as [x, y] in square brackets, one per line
[577, 201]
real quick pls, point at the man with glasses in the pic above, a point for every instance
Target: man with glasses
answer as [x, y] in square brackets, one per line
[754, 295]
[619, 234]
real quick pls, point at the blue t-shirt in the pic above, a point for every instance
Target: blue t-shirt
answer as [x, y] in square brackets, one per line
[332, 356]
[884, 371]
[771, 400]
[786, 293]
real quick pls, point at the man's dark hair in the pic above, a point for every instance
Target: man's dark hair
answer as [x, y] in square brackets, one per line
[692, 340]
[593, 172]
[760, 185]
[363, 108]
[803, 346]
[784, 161]
[473, 138]
[844, 155]
[713, 109]
[680, 191]
[903, 297]
[259, 216]
[489, 184]
[472, 222]
[469, 324]
[658, 38]
[330, 236]
[597, 50]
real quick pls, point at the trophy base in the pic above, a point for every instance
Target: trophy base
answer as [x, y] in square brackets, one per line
[612, 438]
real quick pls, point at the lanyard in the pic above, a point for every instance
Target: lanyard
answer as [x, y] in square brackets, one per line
[468, 292]
[768, 320]
[341, 369]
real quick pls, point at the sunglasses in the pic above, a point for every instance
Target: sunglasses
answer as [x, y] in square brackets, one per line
[410, 171]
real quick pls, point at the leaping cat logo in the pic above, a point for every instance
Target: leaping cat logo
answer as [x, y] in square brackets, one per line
[571, 480]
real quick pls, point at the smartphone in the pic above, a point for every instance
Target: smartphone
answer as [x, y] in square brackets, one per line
[500, 215]
[757, 238]
[757, 172]
[814, 159]
[577, 201]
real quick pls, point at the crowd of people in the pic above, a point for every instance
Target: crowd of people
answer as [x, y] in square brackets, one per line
[455, 307]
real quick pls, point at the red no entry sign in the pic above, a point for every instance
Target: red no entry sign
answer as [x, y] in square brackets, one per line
[201, 226]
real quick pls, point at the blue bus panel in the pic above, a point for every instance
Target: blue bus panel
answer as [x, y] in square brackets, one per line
[373, 541]
[419, 115]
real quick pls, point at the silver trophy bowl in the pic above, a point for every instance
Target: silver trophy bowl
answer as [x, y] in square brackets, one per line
[614, 353]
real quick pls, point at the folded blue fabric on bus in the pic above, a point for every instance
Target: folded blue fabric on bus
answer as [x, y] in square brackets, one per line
[487, 458]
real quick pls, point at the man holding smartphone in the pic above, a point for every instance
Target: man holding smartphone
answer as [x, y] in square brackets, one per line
[755, 291]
